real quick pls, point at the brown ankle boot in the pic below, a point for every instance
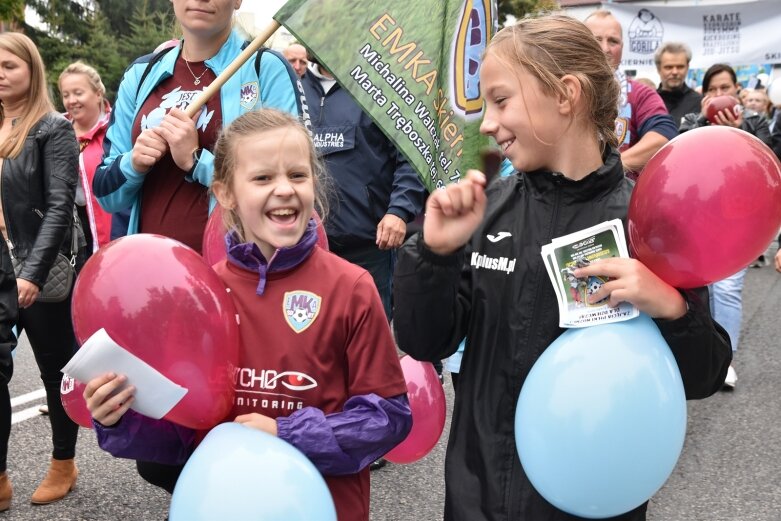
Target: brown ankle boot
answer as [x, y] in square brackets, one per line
[60, 480]
[6, 491]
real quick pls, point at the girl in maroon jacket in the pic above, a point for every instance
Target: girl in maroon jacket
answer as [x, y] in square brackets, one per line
[317, 365]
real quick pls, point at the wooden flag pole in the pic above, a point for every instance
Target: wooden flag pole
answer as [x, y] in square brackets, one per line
[231, 69]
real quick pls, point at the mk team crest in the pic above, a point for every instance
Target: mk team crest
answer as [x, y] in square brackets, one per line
[301, 309]
[249, 94]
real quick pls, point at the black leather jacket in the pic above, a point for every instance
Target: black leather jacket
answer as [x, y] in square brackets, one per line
[8, 315]
[38, 187]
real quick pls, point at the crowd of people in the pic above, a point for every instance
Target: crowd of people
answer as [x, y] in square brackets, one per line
[576, 130]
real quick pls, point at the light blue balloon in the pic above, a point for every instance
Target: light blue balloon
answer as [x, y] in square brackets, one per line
[601, 418]
[240, 473]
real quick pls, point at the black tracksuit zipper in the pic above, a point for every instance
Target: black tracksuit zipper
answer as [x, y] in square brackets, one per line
[540, 279]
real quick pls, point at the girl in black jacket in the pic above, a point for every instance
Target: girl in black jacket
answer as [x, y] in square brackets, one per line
[550, 103]
[39, 157]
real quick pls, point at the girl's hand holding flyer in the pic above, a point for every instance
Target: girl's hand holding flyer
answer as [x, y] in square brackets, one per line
[582, 300]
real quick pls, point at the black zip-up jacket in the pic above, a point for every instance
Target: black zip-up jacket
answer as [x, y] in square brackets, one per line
[753, 123]
[680, 102]
[509, 318]
[38, 188]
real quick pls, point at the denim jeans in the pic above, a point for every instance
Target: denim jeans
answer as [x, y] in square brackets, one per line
[379, 263]
[726, 304]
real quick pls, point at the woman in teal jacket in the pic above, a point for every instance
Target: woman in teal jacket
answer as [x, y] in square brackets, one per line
[157, 161]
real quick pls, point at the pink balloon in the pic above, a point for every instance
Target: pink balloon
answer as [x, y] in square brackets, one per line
[214, 237]
[72, 396]
[427, 401]
[705, 206]
[159, 300]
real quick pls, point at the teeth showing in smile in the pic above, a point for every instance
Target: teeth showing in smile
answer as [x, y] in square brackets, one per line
[283, 212]
[507, 144]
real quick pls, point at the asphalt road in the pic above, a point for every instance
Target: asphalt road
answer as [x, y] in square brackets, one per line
[730, 468]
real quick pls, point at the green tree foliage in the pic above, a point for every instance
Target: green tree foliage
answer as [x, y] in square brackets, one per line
[64, 19]
[521, 8]
[117, 13]
[11, 13]
[98, 32]
[100, 49]
[146, 29]
[63, 32]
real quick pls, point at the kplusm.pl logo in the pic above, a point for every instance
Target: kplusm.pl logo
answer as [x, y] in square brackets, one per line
[645, 33]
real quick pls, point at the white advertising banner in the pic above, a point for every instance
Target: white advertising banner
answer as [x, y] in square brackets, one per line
[737, 34]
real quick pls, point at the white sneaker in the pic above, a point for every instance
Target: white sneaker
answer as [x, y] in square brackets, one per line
[43, 409]
[731, 379]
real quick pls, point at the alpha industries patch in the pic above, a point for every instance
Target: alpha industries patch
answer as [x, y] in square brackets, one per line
[301, 309]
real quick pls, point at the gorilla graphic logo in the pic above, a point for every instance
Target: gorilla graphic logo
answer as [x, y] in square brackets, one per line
[645, 33]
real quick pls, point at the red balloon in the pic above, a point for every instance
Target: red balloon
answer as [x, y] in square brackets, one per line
[213, 249]
[159, 300]
[705, 206]
[72, 397]
[719, 103]
[214, 237]
[427, 401]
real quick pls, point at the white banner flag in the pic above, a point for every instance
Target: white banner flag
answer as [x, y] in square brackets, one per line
[737, 34]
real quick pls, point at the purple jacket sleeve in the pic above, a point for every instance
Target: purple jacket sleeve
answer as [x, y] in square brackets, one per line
[142, 438]
[345, 442]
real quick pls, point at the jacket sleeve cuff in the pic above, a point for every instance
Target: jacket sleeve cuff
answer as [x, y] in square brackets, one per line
[401, 213]
[138, 437]
[203, 170]
[454, 259]
[700, 346]
[126, 166]
[680, 324]
[346, 442]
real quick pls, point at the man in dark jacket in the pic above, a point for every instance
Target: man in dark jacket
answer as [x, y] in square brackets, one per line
[378, 191]
[672, 63]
